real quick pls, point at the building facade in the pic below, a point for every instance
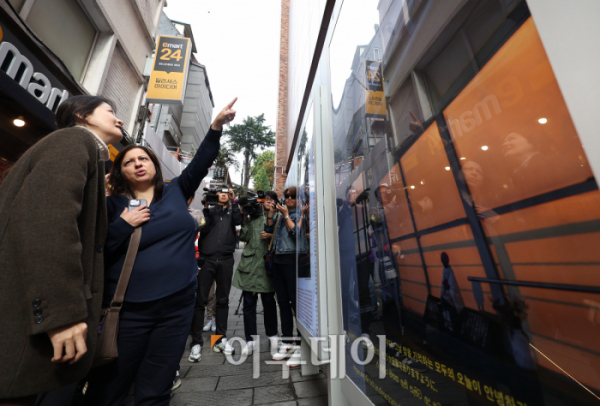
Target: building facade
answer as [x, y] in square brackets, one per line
[96, 47]
[175, 131]
[184, 126]
[447, 153]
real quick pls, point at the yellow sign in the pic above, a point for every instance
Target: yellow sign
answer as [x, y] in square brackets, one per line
[170, 70]
[375, 96]
[113, 152]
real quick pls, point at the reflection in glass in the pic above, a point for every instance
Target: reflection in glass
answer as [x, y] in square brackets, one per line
[495, 123]
[442, 186]
[431, 188]
[307, 312]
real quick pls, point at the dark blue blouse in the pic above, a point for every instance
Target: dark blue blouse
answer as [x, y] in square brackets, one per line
[166, 259]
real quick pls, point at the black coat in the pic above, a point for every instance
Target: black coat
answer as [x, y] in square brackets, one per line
[216, 239]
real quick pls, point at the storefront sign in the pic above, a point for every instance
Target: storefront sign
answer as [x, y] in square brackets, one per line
[375, 96]
[169, 72]
[22, 67]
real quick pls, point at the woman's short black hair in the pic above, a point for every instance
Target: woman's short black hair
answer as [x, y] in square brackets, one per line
[75, 109]
[118, 184]
[271, 194]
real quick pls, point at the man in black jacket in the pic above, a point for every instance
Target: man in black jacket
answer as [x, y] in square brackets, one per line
[216, 246]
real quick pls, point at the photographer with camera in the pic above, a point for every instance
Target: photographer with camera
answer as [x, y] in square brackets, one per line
[251, 276]
[288, 225]
[216, 246]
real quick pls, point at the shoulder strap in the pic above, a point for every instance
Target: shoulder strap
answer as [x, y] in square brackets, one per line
[134, 244]
[274, 231]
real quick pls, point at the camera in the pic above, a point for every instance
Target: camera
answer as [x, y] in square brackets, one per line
[212, 197]
[251, 205]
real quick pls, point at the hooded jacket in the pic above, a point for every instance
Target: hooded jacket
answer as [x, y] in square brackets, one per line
[251, 275]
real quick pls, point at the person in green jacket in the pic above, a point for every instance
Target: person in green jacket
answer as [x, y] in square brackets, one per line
[252, 278]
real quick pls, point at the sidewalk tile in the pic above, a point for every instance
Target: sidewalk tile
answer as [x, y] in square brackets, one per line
[247, 381]
[311, 389]
[208, 383]
[320, 401]
[241, 397]
[271, 394]
[297, 376]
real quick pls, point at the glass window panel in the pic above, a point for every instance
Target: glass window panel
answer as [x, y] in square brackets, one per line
[395, 205]
[403, 104]
[72, 42]
[412, 275]
[555, 242]
[414, 296]
[307, 270]
[384, 282]
[432, 190]
[582, 365]
[513, 129]
[459, 245]
[573, 209]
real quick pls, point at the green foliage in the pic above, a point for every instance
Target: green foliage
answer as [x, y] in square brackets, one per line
[263, 169]
[249, 137]
[261, 181]
[226, 159]
[270, 170]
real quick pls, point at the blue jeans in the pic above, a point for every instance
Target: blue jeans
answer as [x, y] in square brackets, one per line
[151, 342]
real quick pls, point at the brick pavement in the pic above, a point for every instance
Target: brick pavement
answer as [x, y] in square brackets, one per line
[214, 381]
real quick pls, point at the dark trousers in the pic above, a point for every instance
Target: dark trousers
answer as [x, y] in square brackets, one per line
[285, 287]
[151, 342]
[60, 397]
[270, 316]
[221, 272]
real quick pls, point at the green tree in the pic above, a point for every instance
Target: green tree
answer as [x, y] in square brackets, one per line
[226, 159]
[249, 137]
[264, 162]
[261, 181]
[270, 170]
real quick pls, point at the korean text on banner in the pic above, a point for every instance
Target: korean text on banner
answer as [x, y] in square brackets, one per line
[375, 103]
[169, 71]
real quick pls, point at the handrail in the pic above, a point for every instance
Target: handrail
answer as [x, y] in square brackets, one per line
[555, 286]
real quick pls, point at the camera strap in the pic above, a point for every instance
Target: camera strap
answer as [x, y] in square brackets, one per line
[273, 235]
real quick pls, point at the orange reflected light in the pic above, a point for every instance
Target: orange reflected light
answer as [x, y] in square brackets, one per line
[447, 168]
[484, 147]
[412, 187]
[543, 120]
[463, 158]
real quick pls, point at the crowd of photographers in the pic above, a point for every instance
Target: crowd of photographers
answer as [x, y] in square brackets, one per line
[258, 218]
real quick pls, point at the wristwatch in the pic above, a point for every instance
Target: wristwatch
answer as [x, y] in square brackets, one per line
[286, 217]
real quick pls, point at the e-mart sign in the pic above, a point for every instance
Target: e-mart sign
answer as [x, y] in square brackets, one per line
[170, 70]
[25, 69]
[375, 95]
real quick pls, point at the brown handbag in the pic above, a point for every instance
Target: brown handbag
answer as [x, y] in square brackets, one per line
[108, 329]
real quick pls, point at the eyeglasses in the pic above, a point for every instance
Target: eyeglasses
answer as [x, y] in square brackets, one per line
[290, 196]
